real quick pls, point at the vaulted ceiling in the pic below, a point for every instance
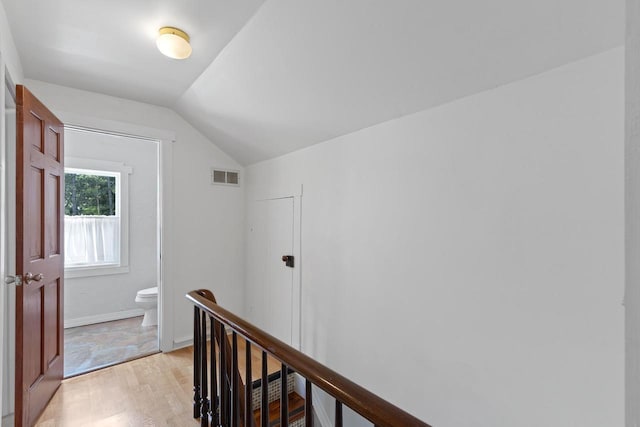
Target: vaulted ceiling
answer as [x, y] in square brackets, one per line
[269, 77]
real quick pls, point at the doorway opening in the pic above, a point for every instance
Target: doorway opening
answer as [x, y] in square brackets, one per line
[112, 248]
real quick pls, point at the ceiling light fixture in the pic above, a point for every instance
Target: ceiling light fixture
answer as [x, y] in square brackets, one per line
[173, 43]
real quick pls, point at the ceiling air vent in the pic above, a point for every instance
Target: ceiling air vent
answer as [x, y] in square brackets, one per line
[225, 177]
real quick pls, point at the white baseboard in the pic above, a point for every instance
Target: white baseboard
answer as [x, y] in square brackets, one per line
[323, 417]
[186, 341]
[182, 342]
[99, 318]
[8, 421]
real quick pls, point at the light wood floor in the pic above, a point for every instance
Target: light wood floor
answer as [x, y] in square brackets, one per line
[153, 391]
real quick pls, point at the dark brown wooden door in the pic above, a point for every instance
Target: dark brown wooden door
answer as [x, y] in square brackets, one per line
[39, 256]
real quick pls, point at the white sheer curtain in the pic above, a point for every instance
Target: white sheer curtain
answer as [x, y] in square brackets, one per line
[91, 240]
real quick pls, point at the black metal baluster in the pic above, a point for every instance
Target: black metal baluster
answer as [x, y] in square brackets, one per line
[196, 362]
[235, 407]
[308, 405]
[248, 386]
[284, 397]
[264, 405]
[204, 407]
[224, 381]
[215, 402]
[213, 383]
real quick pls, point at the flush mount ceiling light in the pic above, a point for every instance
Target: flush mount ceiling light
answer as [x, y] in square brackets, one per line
[173, 43]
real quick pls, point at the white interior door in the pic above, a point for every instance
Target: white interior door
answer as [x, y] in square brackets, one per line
[270, 292]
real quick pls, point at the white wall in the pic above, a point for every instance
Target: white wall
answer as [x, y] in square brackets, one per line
[90, 299]
[632, 213]
[208, 220]
[466, 262]
[8, 49]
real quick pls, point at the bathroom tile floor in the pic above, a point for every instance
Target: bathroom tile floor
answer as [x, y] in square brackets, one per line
[91, 347]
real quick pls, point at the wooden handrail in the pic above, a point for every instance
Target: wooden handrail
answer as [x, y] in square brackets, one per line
[370, 406]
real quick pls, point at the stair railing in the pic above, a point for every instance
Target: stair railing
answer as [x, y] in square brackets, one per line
[226, 401]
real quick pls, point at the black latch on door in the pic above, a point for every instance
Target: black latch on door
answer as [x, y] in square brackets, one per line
[288, 260]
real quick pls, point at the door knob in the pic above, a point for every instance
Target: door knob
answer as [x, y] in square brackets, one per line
[288, 260]
[30, 277]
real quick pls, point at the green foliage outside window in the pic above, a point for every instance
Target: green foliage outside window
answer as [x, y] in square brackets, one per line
[89, 195]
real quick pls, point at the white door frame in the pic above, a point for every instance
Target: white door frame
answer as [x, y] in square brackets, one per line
[165, 140]
[7, 254]
[3, 236]
[3, 229]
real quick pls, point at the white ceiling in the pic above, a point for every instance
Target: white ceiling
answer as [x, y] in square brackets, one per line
[298, 72]
[108, 46]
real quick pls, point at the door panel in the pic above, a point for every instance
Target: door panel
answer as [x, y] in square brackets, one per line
[33, 314]
[270, 290]
[39, 186]
[52, 147]
[51, 324]
[35, 199]
[53, 209]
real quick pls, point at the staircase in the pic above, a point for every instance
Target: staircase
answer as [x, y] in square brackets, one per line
[295, 402]
[250, 362]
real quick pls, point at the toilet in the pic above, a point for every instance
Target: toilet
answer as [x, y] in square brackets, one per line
[147, 299]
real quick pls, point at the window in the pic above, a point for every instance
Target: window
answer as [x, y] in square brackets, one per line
[96, 217]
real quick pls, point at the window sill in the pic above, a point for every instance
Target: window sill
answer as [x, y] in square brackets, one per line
[74, 272]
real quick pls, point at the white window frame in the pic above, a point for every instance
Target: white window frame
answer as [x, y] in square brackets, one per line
[105, 168]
